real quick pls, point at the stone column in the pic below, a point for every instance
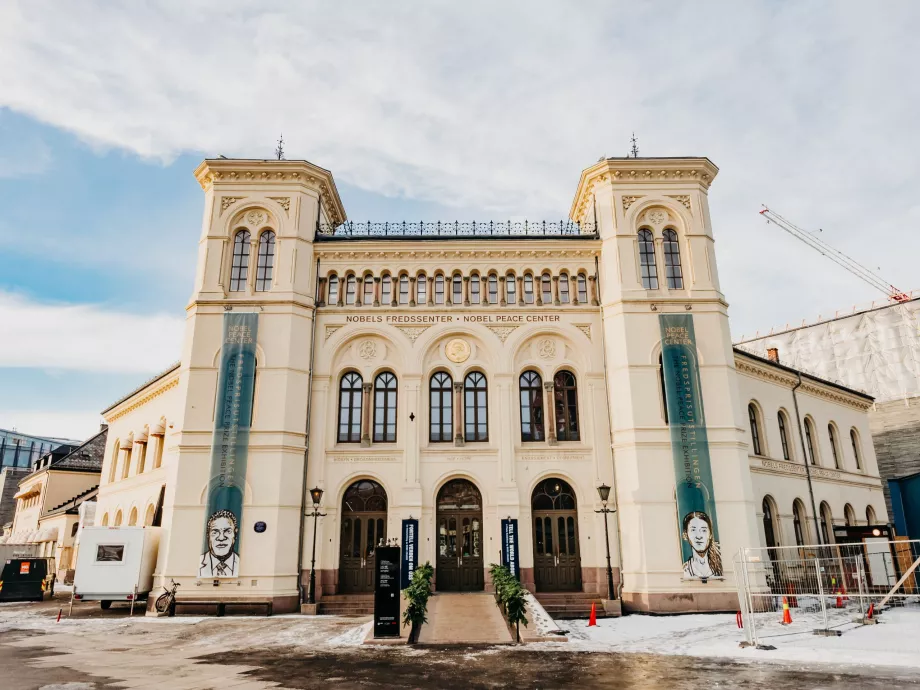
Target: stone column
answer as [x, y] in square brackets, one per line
[592, 288]
[538, 290]
[366, 404]
[340, 302]
[321, 293]
[466, 291]
[549, 413]
[501, 291]
[556, 299]
[431, 291]
[573, 289]
[253, 262]
[376, 291]
[394, 290]
[359, 291]
[458, 413]
[520, 290]
[411, 291]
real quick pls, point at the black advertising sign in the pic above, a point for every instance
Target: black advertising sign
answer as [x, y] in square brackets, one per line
[386, 592]
[409, 551]
[510, 557]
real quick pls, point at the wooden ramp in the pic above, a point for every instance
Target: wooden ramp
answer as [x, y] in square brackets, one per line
[467, 618]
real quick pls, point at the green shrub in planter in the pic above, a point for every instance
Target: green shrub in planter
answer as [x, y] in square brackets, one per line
[511, 596]
[417, 594]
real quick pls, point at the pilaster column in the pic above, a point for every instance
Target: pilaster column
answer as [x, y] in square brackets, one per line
[253, 262]
[448, 291]
[359, 290]
[343, 285]
[501, 292]
[376, 291]
[538, 290]
[556, 299]
[466, 291]
[321, 294]
[394, 290]
[549, 413]
[411, 291]
[431, 291]
[573, 289]
[366, 404]
[592, 287]
[520, 290]
[458, 413]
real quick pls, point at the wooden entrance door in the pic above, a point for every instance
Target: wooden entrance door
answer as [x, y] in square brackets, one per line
[459, 521]
[557, 557]
[364, 528]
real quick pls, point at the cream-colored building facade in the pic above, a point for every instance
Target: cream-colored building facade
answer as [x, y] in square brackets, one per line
[462, 375]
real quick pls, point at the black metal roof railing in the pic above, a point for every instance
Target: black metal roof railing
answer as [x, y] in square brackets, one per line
[440, 229]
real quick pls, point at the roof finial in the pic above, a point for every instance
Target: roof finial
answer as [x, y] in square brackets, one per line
[279, 152]
[634, 151]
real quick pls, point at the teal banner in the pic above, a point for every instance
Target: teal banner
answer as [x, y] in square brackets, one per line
[230, 446]
[696, 505]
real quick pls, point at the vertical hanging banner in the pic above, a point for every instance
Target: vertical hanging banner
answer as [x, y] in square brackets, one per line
[510, 557]
[409, 551]
[696, 505]
[230, 446]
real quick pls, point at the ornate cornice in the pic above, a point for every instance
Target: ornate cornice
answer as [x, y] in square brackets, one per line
[409, 251]
[143, 401]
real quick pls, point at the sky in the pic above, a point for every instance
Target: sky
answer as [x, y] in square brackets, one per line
[434, 110]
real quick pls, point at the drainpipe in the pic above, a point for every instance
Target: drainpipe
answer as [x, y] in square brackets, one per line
[616, 486]
[811, 491]
[306, 450]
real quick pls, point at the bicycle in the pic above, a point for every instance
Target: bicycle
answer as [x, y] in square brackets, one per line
[167, 601]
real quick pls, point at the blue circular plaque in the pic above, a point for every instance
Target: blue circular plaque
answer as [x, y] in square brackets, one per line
[259, 527]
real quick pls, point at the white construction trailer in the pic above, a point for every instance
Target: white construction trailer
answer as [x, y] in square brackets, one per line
[115, 564]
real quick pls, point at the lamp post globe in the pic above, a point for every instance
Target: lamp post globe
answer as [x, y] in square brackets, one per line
[604, 492]
[316, 495]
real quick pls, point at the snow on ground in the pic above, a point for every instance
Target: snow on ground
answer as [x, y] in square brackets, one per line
[894, 641]
[351, 638]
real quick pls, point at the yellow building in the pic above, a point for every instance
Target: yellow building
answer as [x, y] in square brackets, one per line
[463, 375]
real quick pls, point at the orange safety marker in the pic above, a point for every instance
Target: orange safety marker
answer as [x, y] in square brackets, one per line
[739, 619]
[870, 611]
[593, 619]
[787, 617]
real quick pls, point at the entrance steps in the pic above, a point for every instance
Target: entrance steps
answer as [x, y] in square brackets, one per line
[466, 618]
[347, 605]
[561, 605]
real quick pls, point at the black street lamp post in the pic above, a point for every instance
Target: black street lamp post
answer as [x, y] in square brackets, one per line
[316, 495]
[604, 492]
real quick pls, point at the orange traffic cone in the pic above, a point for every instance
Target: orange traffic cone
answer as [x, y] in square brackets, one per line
[787, 617]
[870, 611]
[593, 619]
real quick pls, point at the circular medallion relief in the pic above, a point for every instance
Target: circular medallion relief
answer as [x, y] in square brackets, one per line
[367, 349]
[457, 350]
[657, 216]
[255, 217]
[547, 349]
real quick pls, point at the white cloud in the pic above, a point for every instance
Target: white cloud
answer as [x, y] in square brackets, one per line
[810, 107]
[86, 337]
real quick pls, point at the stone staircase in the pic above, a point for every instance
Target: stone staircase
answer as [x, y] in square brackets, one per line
[347, 605]
[570, 604]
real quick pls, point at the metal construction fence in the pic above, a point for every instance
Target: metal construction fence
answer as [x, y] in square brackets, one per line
[823, 589]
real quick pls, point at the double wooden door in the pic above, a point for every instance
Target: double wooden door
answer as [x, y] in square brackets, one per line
[557, 563]
[460, 566]
[362, 533]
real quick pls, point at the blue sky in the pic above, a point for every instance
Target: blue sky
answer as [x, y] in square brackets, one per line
[473, 111]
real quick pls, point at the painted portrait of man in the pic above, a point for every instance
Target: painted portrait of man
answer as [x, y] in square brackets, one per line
[220, 560]
[706, 560]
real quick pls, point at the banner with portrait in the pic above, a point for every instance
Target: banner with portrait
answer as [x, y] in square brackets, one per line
[230, 446]
[696, 506]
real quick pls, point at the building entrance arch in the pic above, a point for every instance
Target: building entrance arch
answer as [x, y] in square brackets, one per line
[364, 528]
[557, 554]
[459, 520]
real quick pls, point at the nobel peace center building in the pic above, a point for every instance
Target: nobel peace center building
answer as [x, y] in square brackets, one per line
[466, 389]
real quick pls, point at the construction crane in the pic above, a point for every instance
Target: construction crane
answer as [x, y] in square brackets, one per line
[835, 255]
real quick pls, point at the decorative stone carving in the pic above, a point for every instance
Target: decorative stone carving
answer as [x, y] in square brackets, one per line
[367, 350]
[546, 349]
[502, 331]
[657, 216]
[629, 201]
[684, 199]
[413, 332]
[331, 329]
[458, 350]
[584, 328]
[255, 217]
[228, 201]
[283, 201]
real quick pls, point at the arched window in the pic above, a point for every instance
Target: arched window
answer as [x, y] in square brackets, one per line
[333, 290]
[493, 288]
[441, 408]
[439, 289]
[350, 289]
[870, 516]
[128, 447]
[783, 434]
[755, 429]
[404, 289]
[798, 522]
[511, 289]
[239, 271]
[849, 515]
[647, 266]
[350, 408]
[532, 428]
[118, 519]
[421, 289]
[161, 443]
[672, 269]
[664, 390]
[564, 288]
[546, 288]
[476, 407]
[142, 458]
[582, 288]
[113, 467]
[565, 395]
[475, 288]
[769, 525]
[386, 290]
[368, 297]
[385, 408]
[528, 288]
[810, 441]
[832, 435]
[105, 520]
[132, 518]
[827, 524]
[266, 264]
[854, 441]
[456, 290]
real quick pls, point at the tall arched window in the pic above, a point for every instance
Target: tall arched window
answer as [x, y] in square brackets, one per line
[511, 289]
[333, 290]
[546, 288]
[350, 289]
[113, 467]
[769, 526]
[564, 288]
[783, 433]
[439, 289]
[827, 524]
[239, 271]
[798, 522]
[350, 408]
[368, 297]
[475, 288]
[385, 408]
[118, 518]
[421, 289]
[265, 267]
[105, 520]
[386, 290]
[870, 516]
[404, 289]
[132, 518]
[565, 395]
[582, 288]
[854, 441]
[672, 269]
[493, 288]
[832, 435]
[755, 429]
[532, 427]
[647, 265]
[810, 441]
[528, 289]
[441, 408]
[476, 407]
[849, 515]
[456, 290]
